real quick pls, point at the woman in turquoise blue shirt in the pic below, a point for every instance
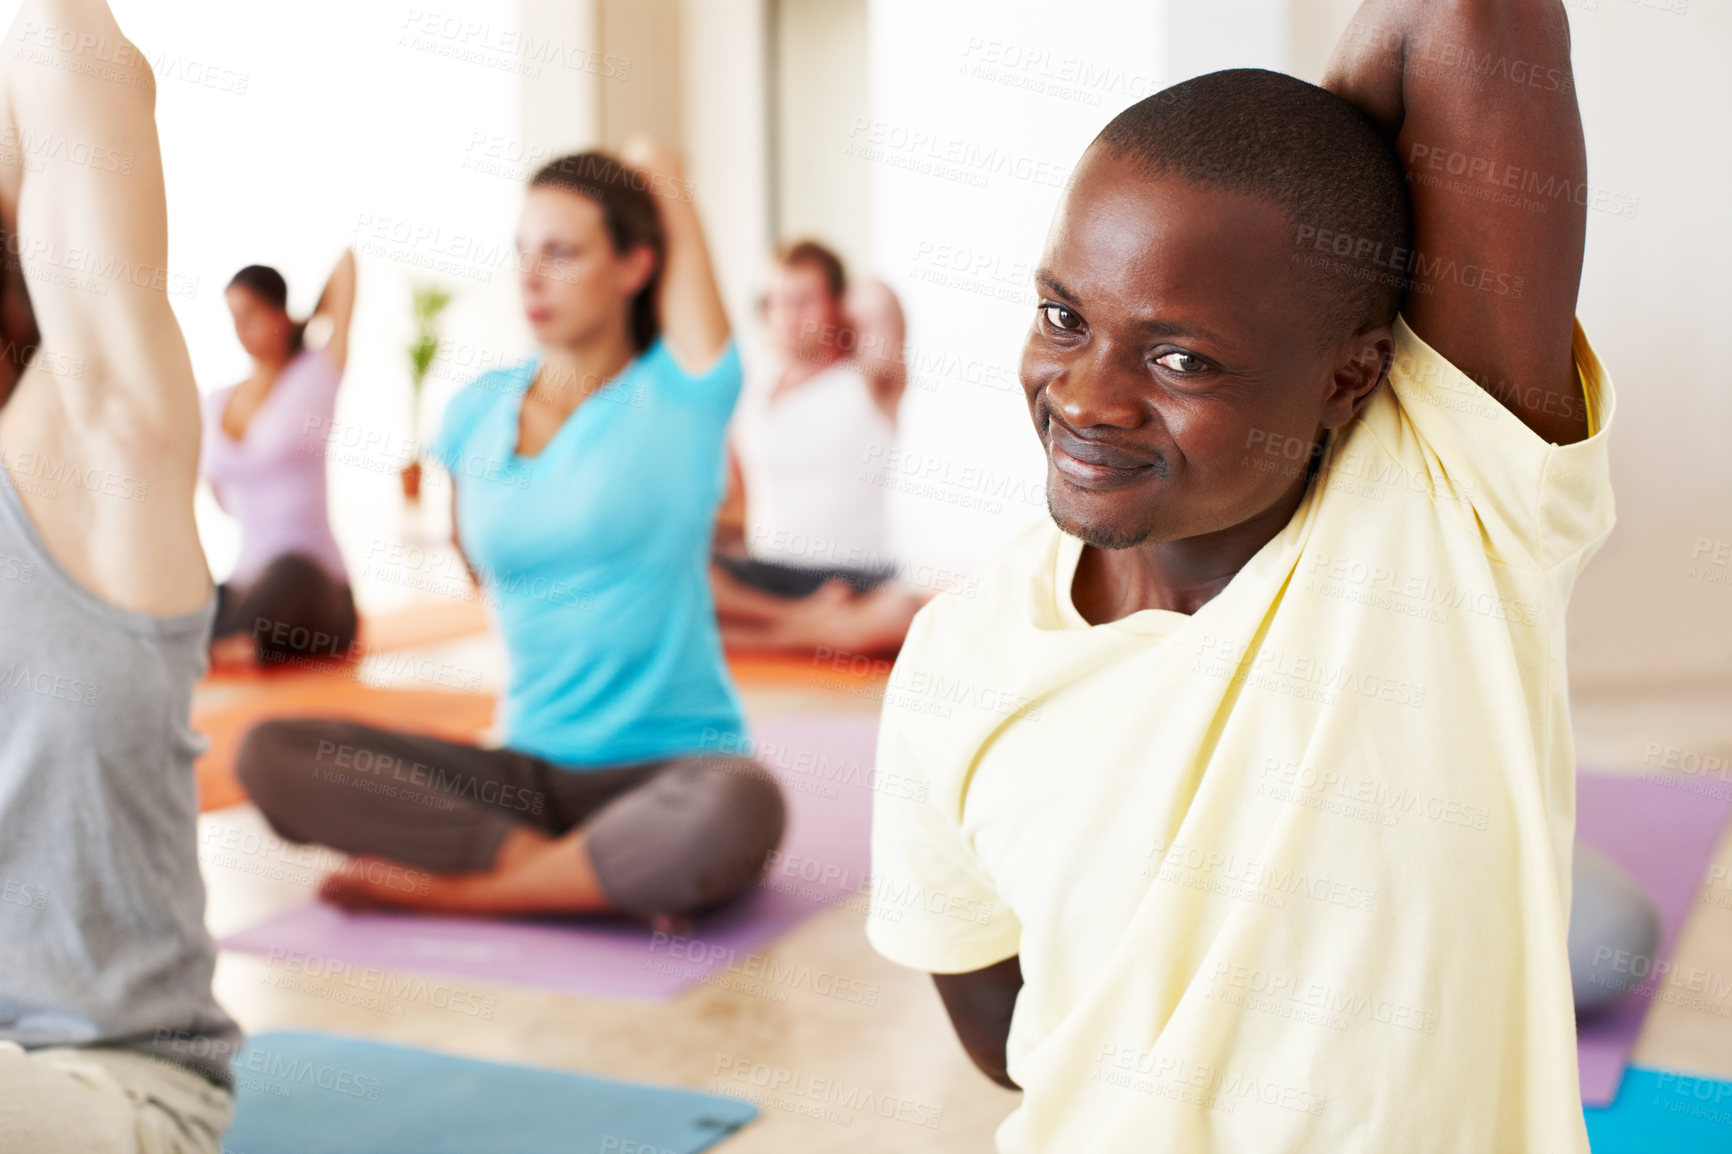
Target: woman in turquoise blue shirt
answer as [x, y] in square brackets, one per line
[586, 482]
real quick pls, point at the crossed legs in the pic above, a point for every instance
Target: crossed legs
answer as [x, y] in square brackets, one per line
[496, 831]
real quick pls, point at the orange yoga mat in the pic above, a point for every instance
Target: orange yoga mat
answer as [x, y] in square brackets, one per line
[327, 693]
[434, 622]
[847, 672]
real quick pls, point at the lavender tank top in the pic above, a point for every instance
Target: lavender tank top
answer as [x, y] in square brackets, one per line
[272, 480]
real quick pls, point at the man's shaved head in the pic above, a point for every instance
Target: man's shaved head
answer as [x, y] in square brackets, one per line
[1187, 316]
[1316, 156]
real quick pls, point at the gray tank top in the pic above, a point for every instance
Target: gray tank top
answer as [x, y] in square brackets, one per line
[102, 936]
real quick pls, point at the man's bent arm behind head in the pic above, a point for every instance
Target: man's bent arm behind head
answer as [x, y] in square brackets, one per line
[1480, 100]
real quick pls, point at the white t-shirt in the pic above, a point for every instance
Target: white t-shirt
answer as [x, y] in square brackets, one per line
[814, 463]
[1290, 873]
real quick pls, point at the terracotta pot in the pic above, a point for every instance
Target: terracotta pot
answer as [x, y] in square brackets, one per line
[411, 478]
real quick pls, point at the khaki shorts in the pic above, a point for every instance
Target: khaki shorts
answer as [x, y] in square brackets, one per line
[91, 1100]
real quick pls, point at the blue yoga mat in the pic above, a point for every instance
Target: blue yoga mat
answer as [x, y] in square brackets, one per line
[302, 1093]
[1658, 1112]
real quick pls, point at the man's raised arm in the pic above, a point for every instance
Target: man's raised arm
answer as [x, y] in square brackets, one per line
[91, 218]
[1480, 100]
[105, 415]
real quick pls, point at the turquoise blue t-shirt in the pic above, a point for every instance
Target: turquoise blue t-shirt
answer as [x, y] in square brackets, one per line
[595, 556]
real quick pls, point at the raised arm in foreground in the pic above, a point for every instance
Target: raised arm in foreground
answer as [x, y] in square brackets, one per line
[101, 432]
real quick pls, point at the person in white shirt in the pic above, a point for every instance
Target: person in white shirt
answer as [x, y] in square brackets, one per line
[811, 564]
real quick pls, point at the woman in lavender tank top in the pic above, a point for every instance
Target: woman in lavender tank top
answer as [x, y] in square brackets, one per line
[263, 454]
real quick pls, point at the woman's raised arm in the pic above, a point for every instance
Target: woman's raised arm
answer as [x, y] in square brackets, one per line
[337, 307]
[694, 323]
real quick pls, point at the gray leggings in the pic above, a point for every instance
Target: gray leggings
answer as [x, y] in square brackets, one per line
[674, 837]
[1612, 922]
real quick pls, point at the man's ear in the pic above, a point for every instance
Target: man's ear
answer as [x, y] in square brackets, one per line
[1361, 363]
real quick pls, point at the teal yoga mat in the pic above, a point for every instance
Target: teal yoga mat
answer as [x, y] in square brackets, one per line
[304, 1093]
[1660, 1112]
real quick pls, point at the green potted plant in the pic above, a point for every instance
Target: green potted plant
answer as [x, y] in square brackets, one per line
[426, 302]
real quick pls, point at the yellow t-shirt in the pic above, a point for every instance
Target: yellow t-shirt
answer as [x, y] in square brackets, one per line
[1290, 873]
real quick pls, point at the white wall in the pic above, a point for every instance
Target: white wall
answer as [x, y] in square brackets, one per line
[822, 88]
[727, 144]
[1656, 97]
[1209, 35]
[647, 33]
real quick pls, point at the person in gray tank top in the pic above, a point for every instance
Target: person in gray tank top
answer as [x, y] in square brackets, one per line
[110, 1039]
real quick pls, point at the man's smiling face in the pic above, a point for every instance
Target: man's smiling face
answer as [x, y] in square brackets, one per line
[1175, 338]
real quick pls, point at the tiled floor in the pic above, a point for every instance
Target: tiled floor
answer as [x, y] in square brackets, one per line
[889, 1043]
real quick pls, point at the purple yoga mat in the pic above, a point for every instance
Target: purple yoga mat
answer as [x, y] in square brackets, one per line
[825, 766]
[1664, 836]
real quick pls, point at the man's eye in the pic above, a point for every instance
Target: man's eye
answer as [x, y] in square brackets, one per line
[1182, 363]
[1061, 318]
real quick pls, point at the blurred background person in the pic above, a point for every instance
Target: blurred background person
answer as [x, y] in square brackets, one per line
[880, 335]
[264, 457]
[803, 557]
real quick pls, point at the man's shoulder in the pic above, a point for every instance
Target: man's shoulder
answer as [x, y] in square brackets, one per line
[1436, 434]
